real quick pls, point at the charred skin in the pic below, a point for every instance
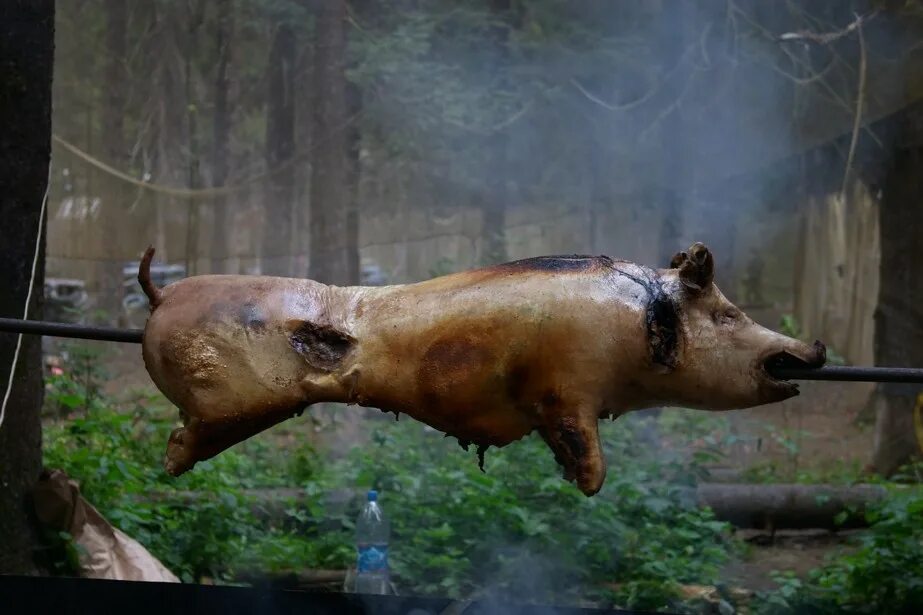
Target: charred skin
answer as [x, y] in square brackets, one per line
[487, 356]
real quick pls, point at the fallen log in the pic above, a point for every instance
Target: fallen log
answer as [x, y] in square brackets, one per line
[746, 506]
[792, 506]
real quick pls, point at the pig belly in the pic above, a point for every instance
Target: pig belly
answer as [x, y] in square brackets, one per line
[460, 387]
[489, 375]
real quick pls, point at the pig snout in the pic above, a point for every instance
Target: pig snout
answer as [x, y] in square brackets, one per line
[794, 353]
[787, 353]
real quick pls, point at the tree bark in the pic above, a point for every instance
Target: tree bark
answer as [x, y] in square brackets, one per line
[675, 22]
[789, 506]
[899, 317]
[27, 49]
[330, 193]
[193, 20]
[353, 177]
[221, 129]
[114, 111]
[499, 189]
[280, 147]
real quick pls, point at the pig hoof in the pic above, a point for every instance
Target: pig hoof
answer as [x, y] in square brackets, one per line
[178, 458]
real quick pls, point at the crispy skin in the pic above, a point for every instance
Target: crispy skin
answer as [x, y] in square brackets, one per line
[487, 356]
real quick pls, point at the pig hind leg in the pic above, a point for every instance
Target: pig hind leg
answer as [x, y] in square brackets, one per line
[573, 437]
[204, 434]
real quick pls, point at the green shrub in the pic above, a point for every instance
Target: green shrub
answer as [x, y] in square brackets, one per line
[116, 455]
[519, 528]
[884, 575]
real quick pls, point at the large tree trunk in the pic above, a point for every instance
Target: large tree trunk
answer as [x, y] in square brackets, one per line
[280, 147]
[330, 192]
[221, 129]
[116, 152]
[193, 21]
[26, 46]
[353, 177]
[498, 189]
[899, 317]
[675, 172]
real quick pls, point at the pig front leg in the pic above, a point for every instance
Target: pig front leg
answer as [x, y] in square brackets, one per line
[572, 435]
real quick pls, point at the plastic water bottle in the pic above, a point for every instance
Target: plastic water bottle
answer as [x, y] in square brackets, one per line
[372, 533]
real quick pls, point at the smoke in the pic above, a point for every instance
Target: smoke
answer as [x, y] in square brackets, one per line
[528, 578]
[620, 129]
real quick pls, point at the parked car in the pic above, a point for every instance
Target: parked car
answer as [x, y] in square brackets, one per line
[66, 300]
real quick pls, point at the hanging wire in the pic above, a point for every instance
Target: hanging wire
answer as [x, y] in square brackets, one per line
[25, 309]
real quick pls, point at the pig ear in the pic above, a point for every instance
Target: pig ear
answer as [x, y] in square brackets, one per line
[697, 269]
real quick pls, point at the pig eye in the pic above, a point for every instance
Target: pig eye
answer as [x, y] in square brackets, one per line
[728, 316]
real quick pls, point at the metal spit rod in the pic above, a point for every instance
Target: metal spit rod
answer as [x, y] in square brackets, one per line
[133, 336]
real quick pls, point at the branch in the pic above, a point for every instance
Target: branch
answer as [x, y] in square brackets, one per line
[860, 101]
[825, 38]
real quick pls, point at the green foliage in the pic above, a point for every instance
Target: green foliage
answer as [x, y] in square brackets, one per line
[116, 456]
[518, 527]
[457, 531]
[884, 575]
[79, 391]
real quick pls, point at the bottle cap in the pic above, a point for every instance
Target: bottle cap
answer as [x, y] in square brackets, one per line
[373, 495]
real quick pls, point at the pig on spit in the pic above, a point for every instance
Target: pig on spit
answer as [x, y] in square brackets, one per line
[552, 344]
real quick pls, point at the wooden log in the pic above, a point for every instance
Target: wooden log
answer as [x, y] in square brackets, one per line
[781, 506]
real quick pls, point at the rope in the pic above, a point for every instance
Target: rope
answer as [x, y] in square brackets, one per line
[186, 193]
[190, 193]
[25, 310]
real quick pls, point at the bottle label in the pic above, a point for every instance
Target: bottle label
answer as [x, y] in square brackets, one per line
[373, 558]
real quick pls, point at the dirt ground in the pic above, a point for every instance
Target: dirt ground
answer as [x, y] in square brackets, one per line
[819, 432]
[797, 551]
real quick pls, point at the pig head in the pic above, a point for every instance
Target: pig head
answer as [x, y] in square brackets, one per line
[707, 353]
[548, 344]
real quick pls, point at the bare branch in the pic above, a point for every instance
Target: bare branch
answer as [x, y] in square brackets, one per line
[825, 38]
[860, 100]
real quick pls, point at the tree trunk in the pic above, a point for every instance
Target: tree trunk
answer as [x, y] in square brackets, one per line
[499, 188]
[114, 111]
[330, 193]
[675, 179]
[193, 20]
[26, 46]
[280, 147]
[899, 317]
[353, 176]
[221, 128]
